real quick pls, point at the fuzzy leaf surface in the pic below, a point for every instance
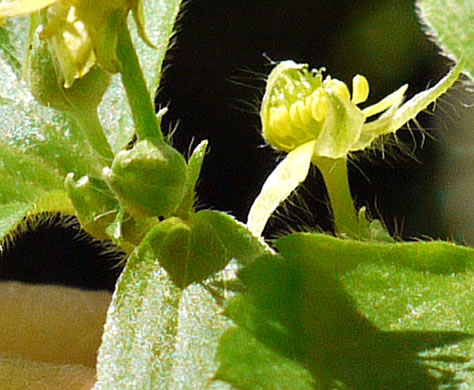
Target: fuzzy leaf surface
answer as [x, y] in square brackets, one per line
[354, 315]
[451, 24]
[27, 186]
[165, 319]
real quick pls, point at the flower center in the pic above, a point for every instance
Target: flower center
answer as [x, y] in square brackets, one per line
[294, 107]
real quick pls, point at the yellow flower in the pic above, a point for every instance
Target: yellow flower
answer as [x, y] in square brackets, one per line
[316, 120]
[299, 106]
[81, 32]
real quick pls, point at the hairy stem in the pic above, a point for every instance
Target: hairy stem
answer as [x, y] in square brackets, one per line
[89, 123]
[141, 104]
[335, 176]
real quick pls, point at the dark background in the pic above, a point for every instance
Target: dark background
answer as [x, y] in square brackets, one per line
[213, 83]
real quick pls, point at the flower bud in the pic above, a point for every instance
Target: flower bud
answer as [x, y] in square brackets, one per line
[94, 203]
[47, 83]
[149, 180]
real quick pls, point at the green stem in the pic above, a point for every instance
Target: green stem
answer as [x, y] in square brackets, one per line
[141, 104]
[335, 176]
[89, 123]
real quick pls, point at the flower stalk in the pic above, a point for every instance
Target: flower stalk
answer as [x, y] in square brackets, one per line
[141, 104]
[89, 123]
[335, 175]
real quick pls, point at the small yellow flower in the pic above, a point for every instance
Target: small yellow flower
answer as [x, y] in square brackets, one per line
[316, 120]
[299, 106]
[81, 32]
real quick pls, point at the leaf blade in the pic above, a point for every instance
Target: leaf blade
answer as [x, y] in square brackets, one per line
[451, 25]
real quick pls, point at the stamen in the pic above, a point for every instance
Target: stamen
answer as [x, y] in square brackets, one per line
[298, 114]
[319, 105]
[360, 89]
[278, 118]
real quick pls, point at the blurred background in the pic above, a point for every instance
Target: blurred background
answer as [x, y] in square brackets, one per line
[213, 84]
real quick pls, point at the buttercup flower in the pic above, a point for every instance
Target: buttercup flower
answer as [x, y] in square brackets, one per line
[81, 32]
[316, 120]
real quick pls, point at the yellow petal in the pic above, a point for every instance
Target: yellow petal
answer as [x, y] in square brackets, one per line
[279, 185]
[410, 109]
[393, 99]
[319, 105]
[13, 8]
[341, 129]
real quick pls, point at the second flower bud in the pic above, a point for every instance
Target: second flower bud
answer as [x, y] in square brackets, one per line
[149, 180]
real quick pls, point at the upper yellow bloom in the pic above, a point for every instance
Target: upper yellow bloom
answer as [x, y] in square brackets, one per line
[300, 106]
[81, 32]
[316, 120]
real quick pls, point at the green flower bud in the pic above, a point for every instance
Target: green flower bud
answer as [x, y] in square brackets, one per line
[47, 84]
[81, 32]
[95, 205]
[149, 180]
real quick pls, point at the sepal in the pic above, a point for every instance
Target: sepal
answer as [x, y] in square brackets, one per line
[95, 205]
[47, 83]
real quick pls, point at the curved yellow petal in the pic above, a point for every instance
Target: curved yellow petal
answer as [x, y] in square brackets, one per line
[410, 109]
[391, 100]
[342, 128]
[14, 8]
[279, 185]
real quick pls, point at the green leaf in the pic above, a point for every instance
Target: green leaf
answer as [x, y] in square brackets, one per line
[451, 24]
[248, 364]
[158, 336]
[114, 110]
[164, 323]
[340, 256]
[27, 186]
[10, 215]
[423, 312]
[10, 34]
[356, 315]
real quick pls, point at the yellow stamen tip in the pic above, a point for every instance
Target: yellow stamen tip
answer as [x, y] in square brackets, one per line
[360, 89]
